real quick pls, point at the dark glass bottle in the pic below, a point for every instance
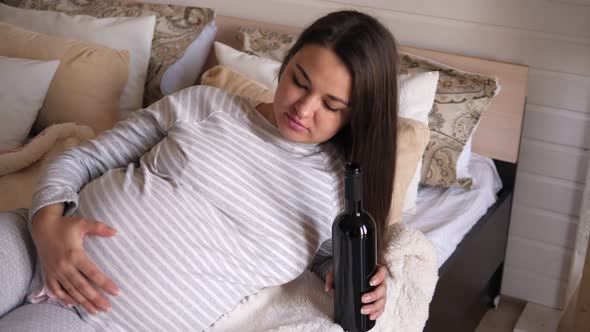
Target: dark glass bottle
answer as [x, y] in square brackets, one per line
[354, 245]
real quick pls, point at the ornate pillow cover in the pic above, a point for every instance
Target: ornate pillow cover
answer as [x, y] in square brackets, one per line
[176, 28]
[460, 100]
[267, 44]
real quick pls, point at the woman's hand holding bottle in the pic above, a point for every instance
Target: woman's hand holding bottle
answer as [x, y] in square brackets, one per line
[375, 300]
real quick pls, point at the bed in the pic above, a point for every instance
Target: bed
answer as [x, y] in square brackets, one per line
[474, 268]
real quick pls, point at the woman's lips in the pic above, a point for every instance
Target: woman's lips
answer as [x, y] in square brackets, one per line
[293, 124]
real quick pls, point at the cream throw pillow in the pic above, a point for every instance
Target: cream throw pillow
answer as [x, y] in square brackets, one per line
[23, 86]
[413, 135]
[121, 33]
[87, 84]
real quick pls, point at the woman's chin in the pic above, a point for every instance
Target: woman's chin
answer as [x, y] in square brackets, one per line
[294, 135]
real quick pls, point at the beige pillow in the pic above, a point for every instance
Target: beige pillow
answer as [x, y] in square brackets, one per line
[87, 84]
[233, 82]
[413, 135]
[459, 102]
[412, 138]
[176, 28]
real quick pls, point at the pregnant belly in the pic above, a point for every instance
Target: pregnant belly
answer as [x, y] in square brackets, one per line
[166, 266]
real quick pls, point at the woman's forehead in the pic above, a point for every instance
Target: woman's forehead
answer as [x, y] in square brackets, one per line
[324, 69]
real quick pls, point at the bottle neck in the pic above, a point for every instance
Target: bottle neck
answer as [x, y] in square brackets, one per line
[353, 207]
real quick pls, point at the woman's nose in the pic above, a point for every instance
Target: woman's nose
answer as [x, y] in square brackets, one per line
[306, 106]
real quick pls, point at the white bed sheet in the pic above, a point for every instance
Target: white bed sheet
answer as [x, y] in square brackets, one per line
[445, 215]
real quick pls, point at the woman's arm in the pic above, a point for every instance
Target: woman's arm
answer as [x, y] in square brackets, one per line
[69, 273]
[62, 179]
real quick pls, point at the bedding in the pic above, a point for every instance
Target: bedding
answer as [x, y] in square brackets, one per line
[16, 258]
[265, 43]
[184, 72]
[445, 215]
[460, 100]
[176, 27]
[120, 33]
[236, 83]
[20, 168]
[261, 70]
[23, 86]
[416, 95]
[87, 84]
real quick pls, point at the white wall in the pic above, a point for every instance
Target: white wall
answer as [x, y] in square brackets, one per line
[553, 39]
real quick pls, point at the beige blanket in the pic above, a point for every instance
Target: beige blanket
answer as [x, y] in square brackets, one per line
[303, 306]
[19, 169]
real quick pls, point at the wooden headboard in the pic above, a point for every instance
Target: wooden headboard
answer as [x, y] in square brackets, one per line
[498, 134]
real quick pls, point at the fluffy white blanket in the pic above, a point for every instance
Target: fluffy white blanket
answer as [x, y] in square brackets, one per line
[302, 305]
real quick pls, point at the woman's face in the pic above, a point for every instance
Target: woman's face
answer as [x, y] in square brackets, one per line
[312, 97]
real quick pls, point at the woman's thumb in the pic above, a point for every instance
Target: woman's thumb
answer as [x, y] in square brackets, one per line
[100, 229]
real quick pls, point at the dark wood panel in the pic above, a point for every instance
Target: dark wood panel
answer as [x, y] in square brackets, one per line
[470, 279]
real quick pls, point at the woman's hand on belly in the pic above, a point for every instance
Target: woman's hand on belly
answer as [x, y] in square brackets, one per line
[68, 271]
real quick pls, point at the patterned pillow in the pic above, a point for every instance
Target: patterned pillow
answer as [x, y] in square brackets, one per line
[176, 28]
[460, 100]
[267, 44]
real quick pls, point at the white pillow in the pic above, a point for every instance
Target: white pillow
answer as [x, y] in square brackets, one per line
[262, 70]
[23, 86]
[415, 102]
[122, 33]
[185, 71]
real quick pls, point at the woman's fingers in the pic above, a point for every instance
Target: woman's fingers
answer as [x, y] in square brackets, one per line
[81, 299]
[95, 275]
[58, 291]
[376, 315]
[374, 308]
[379, 276]
[84, 287]
[329, 281]
[377, 293]
[99, 228]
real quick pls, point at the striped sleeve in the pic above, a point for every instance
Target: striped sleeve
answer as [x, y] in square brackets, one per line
[62, 179]
[323, 262]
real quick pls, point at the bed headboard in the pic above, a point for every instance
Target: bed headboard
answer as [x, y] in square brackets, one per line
[498, 134]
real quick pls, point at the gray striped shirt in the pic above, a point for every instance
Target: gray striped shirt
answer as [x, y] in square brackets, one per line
[210, 202]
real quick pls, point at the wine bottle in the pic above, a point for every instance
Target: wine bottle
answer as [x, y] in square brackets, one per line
[354, 245]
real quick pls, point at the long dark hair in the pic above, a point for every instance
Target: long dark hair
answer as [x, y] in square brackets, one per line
[369, 51]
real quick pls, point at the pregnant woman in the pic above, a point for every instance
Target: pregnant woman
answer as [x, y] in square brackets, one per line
[167, 221]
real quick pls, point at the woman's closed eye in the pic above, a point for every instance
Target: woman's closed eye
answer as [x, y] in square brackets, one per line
[298, 84]
[303, 86]
[326, 105]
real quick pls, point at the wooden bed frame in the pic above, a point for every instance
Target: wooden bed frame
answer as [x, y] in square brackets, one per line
[471, 277]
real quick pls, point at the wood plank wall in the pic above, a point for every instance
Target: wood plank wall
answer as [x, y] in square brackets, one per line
[553, 39]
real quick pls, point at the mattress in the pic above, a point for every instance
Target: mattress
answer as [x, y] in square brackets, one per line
[445, 215]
